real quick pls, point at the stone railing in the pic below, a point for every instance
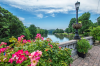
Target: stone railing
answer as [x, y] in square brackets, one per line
[72, 44]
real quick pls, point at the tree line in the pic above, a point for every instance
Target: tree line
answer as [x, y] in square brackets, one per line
[58, 31]
[10, 25]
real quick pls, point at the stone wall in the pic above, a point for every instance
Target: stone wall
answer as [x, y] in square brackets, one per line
[72, 44]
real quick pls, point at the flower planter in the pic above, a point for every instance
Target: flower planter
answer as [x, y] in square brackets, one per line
[77, 26]
[81, 55]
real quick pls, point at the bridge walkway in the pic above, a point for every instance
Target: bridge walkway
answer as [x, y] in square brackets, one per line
[92, 58]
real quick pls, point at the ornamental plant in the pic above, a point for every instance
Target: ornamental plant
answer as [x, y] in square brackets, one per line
[95, 32]
[83, 46]
[38, 52]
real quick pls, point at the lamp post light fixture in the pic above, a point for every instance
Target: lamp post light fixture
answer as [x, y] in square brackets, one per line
[77, 4]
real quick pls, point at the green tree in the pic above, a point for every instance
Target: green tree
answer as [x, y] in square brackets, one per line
[10, 25]
[42, 31]
[58, 31]
[95, 32]
[71, 29]
[98, 19]
[32, 30]
[85, 22]
[67, 30]
[27, 34]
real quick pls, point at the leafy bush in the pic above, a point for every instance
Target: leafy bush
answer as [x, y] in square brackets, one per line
[95, 32]
[85, 34]
[36, 52]
[83, 46]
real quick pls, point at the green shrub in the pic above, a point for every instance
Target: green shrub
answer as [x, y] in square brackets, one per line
[85, 34]
[83, 46]
[51, 53]
[95, 32]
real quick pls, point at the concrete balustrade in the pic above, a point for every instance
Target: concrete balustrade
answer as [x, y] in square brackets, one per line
[73, 43]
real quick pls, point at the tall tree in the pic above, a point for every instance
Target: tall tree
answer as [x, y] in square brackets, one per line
[85, 21]
[10, 25]
[32, 30]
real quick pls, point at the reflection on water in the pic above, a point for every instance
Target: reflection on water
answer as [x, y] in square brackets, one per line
[59, 38]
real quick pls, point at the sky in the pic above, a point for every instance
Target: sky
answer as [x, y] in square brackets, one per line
[50, 14]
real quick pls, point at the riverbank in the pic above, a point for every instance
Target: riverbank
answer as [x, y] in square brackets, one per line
[70, 34]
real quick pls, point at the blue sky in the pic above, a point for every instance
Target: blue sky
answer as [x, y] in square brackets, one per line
[50, 14]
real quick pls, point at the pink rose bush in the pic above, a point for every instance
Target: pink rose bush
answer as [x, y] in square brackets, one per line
[38, 52]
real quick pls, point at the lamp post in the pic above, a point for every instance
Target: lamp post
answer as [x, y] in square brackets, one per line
[77, 4]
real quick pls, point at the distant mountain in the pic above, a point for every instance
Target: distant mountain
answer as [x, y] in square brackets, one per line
[50, 31]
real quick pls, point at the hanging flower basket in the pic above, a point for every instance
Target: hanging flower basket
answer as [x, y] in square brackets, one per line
[77, 26]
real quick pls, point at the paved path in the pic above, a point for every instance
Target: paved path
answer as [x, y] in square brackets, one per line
[92, 58]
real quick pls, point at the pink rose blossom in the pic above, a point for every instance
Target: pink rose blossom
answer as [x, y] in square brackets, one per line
[28, 41]
[42, 38]
[26, 52]
[22, 36]
[37, 58]
[59, 47]
[2, 50]
[19, 52]
[4, 59]
[38, 36]
[10, 60]
[21, 59]
[39, 52]
[19, 38]
[4, 43]
[34, 62]
[24, 41]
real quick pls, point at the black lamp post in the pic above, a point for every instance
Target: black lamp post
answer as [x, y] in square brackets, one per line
[77, 4]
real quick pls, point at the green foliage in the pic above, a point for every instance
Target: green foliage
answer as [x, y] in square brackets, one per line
[27, 33]
[98, 19]
[42, 31]
[86, 23]
[10, 25]
[83, 46]
[58, 31]
[32, 30]
[95, 32]
[86, 34]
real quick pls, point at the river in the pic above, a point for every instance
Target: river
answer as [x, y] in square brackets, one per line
[58, 38]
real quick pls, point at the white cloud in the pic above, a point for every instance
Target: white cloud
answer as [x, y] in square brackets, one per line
[21, 18]
[46, 16]
[53, 15]
[54, 6]
[40, 15]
